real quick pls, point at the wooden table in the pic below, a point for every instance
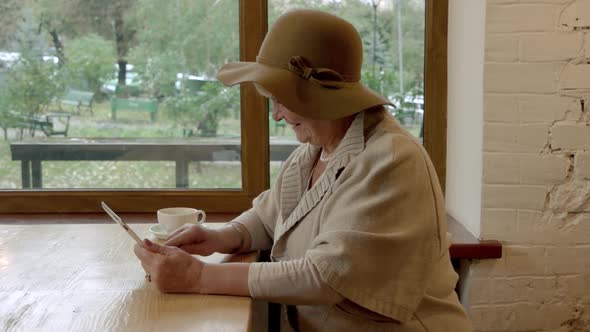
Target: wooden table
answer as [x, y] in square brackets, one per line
[85, 277]
[32, 152]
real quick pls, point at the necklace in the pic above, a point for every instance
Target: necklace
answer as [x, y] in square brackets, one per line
[325, 157]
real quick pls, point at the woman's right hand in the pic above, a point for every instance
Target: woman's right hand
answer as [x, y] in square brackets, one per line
[198, 239]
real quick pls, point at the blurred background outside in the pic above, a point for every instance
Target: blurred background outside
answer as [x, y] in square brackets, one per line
[135, 70]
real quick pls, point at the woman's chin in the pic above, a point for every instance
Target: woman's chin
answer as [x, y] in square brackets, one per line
[301, 138]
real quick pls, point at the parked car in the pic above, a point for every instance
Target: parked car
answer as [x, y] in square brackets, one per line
[191, 82]
[409, 109]
[132, 79]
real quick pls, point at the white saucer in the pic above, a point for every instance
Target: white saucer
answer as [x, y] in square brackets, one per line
[158, 232]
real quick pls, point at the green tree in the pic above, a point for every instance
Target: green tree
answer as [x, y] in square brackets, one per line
[90, 62]
[111, 19]
[187, 38]
[32, 84]
[199, 112]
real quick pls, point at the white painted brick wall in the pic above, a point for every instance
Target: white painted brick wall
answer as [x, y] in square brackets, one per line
[522, 77]
[543, 169]
[518, 18]
[530, 109]
[568, 260]
[514, 137]
[551, 46]
[536, 169]
[514, 196]
[547, 108]
[501, 168]
[570, 136]
[493, 317]
[501, 224]
[582, 165]
[575, 77]
[525, 260]
[500, 108]
[551, 228]
[501, 48]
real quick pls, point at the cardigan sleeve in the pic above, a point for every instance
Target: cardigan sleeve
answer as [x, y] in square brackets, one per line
[261, 240]
[290, 282]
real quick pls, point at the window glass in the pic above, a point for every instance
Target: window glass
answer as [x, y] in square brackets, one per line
[118, 94]
[392, 32]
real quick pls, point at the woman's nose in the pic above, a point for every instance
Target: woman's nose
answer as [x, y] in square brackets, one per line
[276, 112]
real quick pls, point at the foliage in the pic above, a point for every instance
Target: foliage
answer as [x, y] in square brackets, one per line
[9, 20]
[381, 60]
[90, 62]
[184, 38]
[201, 111]
[32, 84]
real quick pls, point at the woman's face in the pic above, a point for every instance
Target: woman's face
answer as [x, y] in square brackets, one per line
[316, 132]
[306, 130]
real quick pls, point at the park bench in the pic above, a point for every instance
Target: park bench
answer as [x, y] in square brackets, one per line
[51, 124]
[78, 99]
[134, 105]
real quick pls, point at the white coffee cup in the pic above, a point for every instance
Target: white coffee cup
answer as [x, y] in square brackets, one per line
[173, 218]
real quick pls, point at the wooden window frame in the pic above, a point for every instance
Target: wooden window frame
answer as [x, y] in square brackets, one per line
[255, 136]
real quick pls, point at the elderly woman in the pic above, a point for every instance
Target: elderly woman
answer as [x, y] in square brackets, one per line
[356, 219]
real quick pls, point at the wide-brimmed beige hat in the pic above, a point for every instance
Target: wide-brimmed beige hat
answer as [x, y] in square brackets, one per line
[310, 61]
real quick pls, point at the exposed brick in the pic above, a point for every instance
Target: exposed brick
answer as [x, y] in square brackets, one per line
[518, 18]
[514, 196]
[568, 260]
[570, 136]
[551, 46]
[573, 196]
[501, 168]
[501, 48]
[582, 165]
[521, 77]
[525, 260]
[498, 224]
[575, 77]
[543, 169]
[547, 108]
[500, 108]
[515, 138]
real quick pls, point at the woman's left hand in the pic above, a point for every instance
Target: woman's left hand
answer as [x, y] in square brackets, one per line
[170, 268]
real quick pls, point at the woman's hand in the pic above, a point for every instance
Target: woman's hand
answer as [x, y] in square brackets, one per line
[171, 269]
[202, 240]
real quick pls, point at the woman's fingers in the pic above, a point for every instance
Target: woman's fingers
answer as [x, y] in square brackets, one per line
[178, 231]
[187, 236]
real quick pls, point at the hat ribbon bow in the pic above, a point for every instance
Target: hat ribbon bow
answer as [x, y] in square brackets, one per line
[325, 77]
